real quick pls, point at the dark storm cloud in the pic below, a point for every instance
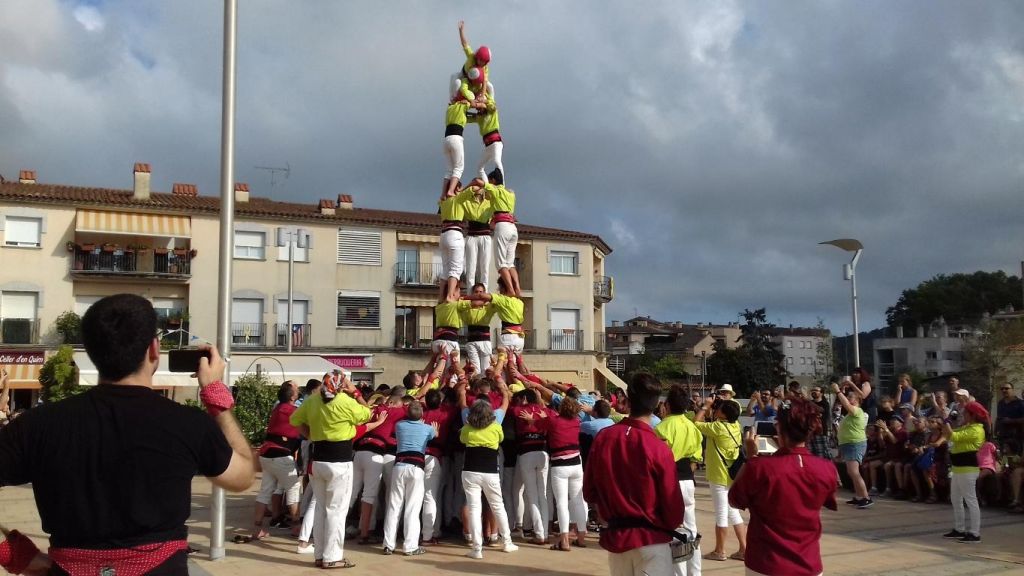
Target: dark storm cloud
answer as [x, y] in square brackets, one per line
[713, 145]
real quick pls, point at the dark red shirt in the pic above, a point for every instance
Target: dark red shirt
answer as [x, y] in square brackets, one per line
[386, 431]
[896, 450]
[631, 476]
[531, 434]
[563, 434]
[444, 416]
[785, 493]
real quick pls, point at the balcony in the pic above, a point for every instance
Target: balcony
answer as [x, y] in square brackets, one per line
[409, 275]
[111, 261]
[566, 340]
[299, 335]
[19, 331]
[248, 335]
[419, 338]
[599, 342]
[604, 289]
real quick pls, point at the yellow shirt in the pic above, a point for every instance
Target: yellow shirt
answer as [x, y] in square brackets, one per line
[721, 437]
[335, 420]
[478, 315]
[478, 210]
[448, 314]
[489, 121]
[432, 385]
[502, 199]
[471, 61]
[967, 438]
[489, 437]
[510, 309]
[453, 208]
[456, 113]
[682, 437]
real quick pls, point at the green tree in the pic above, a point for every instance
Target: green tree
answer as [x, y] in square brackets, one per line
[69, 326]
[255, 396]
[958, 298]
[669, 367]
[727, 365]
[993, 357]
[59, 376]
[764, 366]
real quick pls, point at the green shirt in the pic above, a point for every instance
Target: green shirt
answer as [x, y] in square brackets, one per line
[967, 438]
[721, 437]
[448, 314]
[502, 199]
[510, 309]
[489, 437]
[335, 420]
[852, 426]
[478, 210]
[478, 315]
[682, 437]
[453, 208]
[456, 113]
[489, 121]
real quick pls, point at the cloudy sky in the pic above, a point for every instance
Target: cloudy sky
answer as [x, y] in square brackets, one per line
[712, 144]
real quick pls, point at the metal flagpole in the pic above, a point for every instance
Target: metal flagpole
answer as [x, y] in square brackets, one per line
[227, 225]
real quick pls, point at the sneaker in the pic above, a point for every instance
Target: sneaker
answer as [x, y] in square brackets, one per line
[415, 552]
[388, 551]
[307, 549]
[853, 501]
[873, 492]
[476, 554]
[954, 534]
[865, 503]
[510, 547]
[970, 539]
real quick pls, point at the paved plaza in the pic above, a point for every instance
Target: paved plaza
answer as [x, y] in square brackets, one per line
[890, 538]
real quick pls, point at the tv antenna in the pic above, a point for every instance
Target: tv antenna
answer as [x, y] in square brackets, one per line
[287, 170]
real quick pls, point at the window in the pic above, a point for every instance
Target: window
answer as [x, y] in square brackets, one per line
[407, 270]
[301, 254]
[789, 343]
[359, 247]
[18, 317]
[168, 307]
[82, 303]
[931, 355]
[565, 263]
[358, 309]
[250, 245]
[23, 231]
[789, 360]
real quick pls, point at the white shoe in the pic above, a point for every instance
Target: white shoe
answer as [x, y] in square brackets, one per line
[476, 554]
[307, 549]
[510, 547]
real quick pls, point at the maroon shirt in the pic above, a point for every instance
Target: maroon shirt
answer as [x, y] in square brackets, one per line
[896, 450]
[531, 434]
[386, 431]
[443, 416]
[563, 434]
[785, 493]
[631, 476]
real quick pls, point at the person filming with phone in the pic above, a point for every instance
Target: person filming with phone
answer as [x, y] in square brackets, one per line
[112, 468]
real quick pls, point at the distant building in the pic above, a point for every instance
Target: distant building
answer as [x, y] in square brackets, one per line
[692, 344]
[935, 351]
[801, 348]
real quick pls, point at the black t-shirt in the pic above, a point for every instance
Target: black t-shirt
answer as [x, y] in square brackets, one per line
[112, 467]
[826, 416]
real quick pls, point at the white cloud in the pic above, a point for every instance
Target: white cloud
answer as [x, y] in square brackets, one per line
[623, 237]
[90, 18]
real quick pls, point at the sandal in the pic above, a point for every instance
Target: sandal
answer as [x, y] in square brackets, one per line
[343, 563]
[716, 556]
[579, 544]
[737, 555]
[559, 548]
[243, 539]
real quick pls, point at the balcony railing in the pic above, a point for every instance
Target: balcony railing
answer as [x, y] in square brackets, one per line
[299, 335]
[248, 335]
[156, 263]
[566, 340]
[599, 342]
[604, 289]
[417, 275]
[19, 331]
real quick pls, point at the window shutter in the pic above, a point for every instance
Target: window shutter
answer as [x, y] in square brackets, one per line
[358, 309]
[359, 247]
[22, 231]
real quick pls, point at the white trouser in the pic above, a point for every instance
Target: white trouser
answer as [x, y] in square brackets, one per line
[332, 487]
[506, 236]
[430, 520]
[444, 347]
[308, 513]
[962, 493]
[725, 515]
[453, 254]
[479, 354]
[692, 566]
[534, 470]
[512, 494]
[407, 488]
[368, 474]
[492, 155]
[653, 560]
[455, 154]
[478, 260]
[279, 475]
[512, 342]
[567, 485]
[475, 483]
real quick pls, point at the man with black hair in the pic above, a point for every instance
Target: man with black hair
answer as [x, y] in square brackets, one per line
[477, 319]
[511, 310]
[685, 440]
[442, 415]
[630, 479]
[112, 468]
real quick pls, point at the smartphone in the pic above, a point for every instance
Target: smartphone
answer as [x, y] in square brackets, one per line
[185, 360]
[765, 428]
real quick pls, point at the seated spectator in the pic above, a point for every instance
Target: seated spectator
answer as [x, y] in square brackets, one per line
[907, 392]
[873, 459]
[886, 408]
[936, 407]
[895, 437]
[988, 466]
[1013, 471]
[919, 459]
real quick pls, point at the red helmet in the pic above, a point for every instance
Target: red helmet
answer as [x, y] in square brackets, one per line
[475, 75]
[483, 56]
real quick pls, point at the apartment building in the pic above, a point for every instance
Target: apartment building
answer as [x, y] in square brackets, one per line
[363, 293]
[801, 347]
[690, 343]
[935, 350]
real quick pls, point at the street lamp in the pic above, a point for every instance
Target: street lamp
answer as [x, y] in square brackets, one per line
[850, 273]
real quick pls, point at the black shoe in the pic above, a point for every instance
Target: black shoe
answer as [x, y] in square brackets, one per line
[865, 503]
[954, 534]
[970, 539]
[388, 551]
[853, 501]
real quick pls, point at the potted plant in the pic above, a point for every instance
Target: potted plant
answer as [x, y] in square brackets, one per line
[87, 247]
[180, 251]
[160, 251]
[193, 253]
[109, 247]
[70, 246]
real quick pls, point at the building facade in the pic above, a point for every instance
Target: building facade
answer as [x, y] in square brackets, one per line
[807, 353]
[692, 344]
[363, 291]
[934, 351]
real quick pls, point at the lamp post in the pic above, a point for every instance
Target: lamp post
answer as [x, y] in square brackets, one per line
[292, 238]
[850, 273]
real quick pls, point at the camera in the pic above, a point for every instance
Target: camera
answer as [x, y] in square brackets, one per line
[185, 360]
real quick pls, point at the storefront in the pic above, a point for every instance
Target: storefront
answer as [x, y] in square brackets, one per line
[22, 367]
[360, 365]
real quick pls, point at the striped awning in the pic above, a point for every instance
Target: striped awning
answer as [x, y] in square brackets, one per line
[23, 376]
[419, 238]
[133, 223]
[416, 300]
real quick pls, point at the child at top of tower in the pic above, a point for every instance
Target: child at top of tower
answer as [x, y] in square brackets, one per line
[476, 68]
